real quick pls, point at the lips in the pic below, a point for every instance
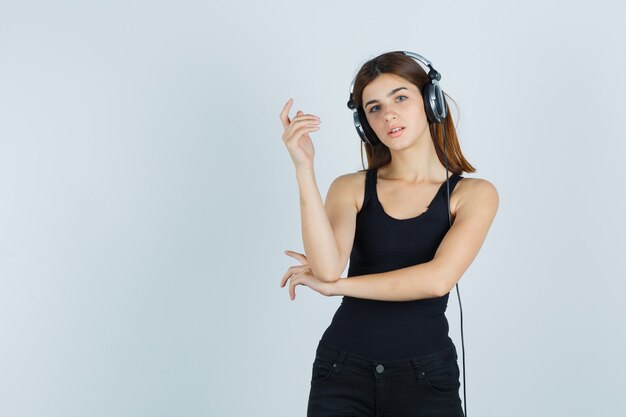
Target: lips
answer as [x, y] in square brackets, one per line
[393, 127]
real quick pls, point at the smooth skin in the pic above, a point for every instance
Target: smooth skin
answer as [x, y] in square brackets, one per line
[296, 136]
[300, 146]
[319, 227]
[302, 275]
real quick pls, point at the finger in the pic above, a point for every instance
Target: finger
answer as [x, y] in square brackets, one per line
[301, 113]
[294, 254]
[299, 256]
[292, 290]
[296, 269]
[304, 130]
[292, 287]
[303, 120]
[288, 274]
[297, 130]
[293, 139]
[305, 125]
[303, 116]
[284, 114]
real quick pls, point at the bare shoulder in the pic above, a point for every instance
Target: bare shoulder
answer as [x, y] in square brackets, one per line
[347, 185]
[477, 193]
[351, 184]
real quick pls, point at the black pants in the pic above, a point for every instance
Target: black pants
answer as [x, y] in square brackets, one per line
[345, 384]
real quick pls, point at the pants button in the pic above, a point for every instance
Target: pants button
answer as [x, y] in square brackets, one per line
[380, 369]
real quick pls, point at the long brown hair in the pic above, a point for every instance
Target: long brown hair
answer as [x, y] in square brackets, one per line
[404, 66]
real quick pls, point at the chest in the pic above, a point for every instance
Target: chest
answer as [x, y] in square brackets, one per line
[405, 202]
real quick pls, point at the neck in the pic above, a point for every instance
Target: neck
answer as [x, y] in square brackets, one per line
[416, 164]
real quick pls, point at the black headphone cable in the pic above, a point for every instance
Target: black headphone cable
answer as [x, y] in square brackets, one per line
[443, 129]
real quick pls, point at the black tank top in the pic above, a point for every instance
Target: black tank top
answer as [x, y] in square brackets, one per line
[390, 330]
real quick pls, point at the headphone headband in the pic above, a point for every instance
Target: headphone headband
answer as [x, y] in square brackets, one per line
[413, 55]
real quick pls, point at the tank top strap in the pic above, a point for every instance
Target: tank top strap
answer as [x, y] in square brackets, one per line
[454, 179]
[370, 186]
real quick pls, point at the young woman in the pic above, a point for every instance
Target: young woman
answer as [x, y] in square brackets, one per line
[387, 350]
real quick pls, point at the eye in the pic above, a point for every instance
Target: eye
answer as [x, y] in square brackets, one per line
[372, 108]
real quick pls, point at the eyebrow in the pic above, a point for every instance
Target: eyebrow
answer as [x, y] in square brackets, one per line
[395, 90]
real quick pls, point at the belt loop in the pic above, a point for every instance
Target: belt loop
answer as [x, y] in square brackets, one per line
[340, 358]
[418, 369]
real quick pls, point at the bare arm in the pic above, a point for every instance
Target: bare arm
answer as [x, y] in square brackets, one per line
[412, 283]
[327, 230]
[318, 238]
[454, 255]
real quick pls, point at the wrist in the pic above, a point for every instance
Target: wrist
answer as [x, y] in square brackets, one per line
[335, 288]
[305, 174]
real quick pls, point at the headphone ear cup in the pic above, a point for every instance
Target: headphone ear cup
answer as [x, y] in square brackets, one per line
[434, 103]
[427, 93]
[370, 136]
[440, 103]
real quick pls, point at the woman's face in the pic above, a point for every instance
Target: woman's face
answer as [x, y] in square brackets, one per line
[389, 101]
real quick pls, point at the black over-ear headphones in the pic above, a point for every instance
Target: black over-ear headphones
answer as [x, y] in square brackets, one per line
[431, 92]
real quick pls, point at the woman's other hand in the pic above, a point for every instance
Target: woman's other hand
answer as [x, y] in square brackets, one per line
[302, 275]
[296, 136]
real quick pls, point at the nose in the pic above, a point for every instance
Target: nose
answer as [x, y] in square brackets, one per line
[390, 116]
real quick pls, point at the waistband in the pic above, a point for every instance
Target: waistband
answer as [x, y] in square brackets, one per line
[332, 353]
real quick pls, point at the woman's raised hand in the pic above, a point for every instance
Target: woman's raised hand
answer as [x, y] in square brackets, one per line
[296, 136]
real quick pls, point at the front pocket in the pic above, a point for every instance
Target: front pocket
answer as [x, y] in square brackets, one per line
[322, 370]
[443, 377]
